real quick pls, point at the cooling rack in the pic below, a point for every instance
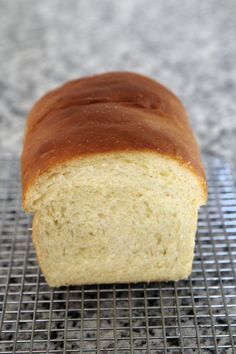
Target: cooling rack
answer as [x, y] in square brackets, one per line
[197, 315]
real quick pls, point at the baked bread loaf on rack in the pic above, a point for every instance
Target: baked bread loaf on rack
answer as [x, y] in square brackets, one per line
[113, 175]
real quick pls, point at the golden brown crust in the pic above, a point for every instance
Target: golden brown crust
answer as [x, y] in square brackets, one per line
[110, 112]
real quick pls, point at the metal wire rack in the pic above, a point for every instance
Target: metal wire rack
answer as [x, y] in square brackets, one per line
[197, 315]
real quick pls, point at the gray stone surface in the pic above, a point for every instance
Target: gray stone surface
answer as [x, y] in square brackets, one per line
[188, 45]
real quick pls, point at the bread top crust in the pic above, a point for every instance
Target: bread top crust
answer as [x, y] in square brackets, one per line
[111, 112]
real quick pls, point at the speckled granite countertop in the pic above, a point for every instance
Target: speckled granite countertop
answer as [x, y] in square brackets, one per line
[190, 48]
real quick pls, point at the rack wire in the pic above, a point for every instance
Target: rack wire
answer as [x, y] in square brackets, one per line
[197, 315]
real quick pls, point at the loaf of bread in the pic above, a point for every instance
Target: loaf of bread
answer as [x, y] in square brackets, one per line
[113, 175]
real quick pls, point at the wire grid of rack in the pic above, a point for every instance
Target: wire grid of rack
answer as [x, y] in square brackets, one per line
[197, 315]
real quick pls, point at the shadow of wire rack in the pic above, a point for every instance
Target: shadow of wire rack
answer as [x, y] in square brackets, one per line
[197, 315]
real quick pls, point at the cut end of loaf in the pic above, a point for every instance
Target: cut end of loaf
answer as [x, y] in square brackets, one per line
[124, 217]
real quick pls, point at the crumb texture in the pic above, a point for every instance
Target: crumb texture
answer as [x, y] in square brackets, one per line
[124, 217]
